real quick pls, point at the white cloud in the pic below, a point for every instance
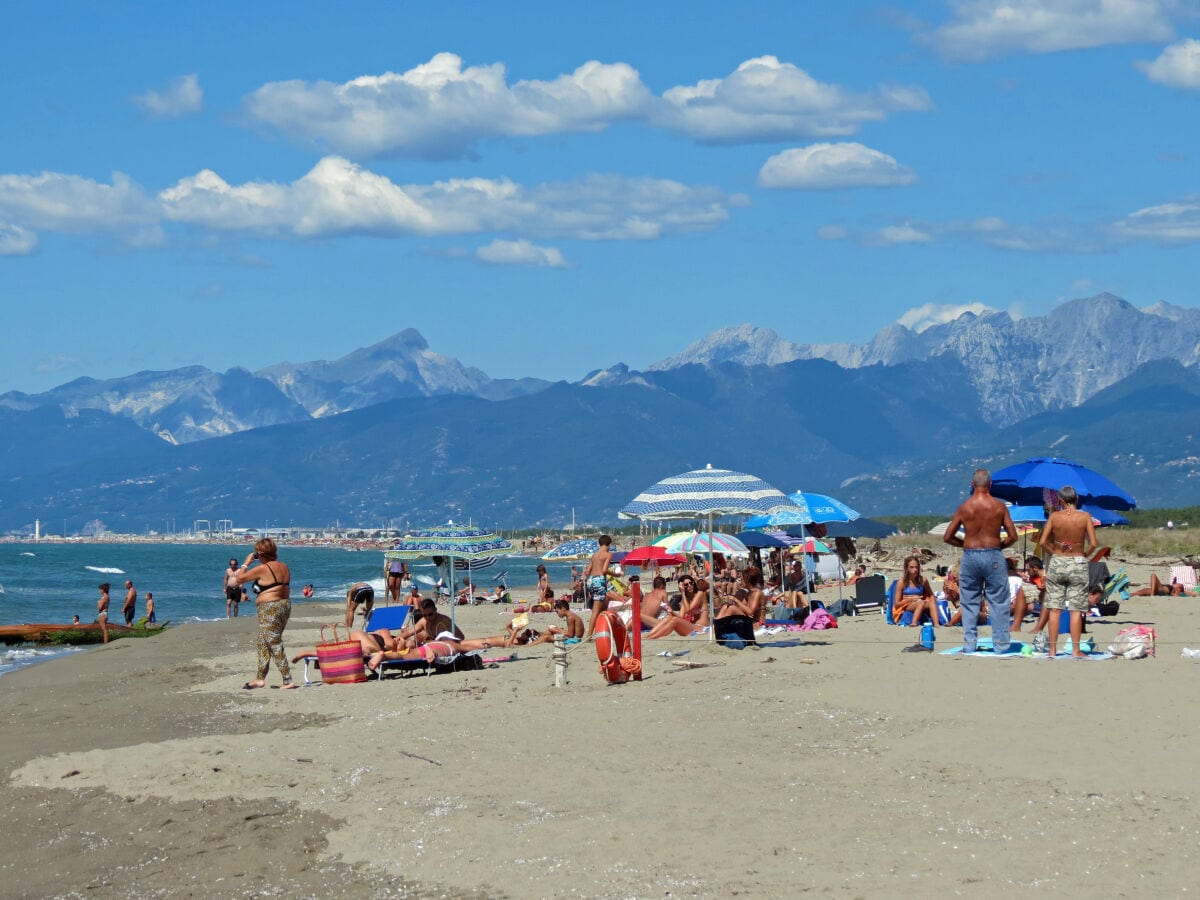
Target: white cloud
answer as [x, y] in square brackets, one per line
[17, 241]
[181, 97]
[338, 197]
[59, 362]
[440, 110]
[921, 318]
[984, 29]
[832, 166]
[1177, 66]
[521, 253]
[1167, 223]
[75, 205]
[765, 99]
[903, 234]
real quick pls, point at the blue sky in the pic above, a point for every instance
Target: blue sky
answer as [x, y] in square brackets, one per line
[547, 188]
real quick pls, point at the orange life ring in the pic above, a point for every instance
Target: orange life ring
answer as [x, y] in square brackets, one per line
[611, 647]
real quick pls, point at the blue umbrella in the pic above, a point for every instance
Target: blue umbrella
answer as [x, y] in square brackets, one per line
[1027, 514]
[1104, 516]
[577, 548]
[761, 540]
[860, 528]
[706, 492]
[1024, 483]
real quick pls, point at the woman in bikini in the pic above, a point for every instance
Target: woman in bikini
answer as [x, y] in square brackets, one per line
[444, 645]
[913, 593]
[272, 584]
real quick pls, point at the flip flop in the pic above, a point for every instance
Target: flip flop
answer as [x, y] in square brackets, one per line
[250, 686]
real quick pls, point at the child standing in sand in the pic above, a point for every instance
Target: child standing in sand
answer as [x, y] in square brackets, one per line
[596, 582]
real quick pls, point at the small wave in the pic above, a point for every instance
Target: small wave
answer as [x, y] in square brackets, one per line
[105, 570]
[27, 553]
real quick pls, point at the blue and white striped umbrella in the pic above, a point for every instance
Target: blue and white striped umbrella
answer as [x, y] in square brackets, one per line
[706, 492]
[578, 548]
[450, 540]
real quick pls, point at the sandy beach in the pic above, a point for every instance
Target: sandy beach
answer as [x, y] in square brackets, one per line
[836, 765]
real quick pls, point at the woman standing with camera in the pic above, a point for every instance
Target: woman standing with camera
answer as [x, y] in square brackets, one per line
[272, 584]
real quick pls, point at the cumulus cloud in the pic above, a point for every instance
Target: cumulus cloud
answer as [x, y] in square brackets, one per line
[17, 241]
[765, 100]
[921, 318]
[50, 365]
[75, 205]
[903, 234]
[831, 166]
[1177, 66]
[339, 197]
[181, 97]
[1167, 223]
[521, 253]
[441, 110]
[985, 29]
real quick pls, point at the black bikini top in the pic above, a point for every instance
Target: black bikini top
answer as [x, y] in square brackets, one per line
[259, 587]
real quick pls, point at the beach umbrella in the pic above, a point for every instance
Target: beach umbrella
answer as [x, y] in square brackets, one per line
[668, 539]
[1027, 514]
[454, 542]
[708, 542]
[809, 545]
[706, 492]
[762, 540]
[660, 556]
[860, 528]
[578, 548]
[1025, 482]
[1103, 517]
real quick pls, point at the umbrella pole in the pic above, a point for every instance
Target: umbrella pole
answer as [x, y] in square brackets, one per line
[453, 599]
[712, 584]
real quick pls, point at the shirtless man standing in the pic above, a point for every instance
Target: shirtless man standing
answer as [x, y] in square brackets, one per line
[596, 583]
[129, 607]
[983, 570]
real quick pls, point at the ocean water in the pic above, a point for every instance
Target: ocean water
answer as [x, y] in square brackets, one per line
[53, 582]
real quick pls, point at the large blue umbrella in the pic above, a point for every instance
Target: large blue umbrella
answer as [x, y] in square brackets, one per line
[809, 508]
[860, 528]
[706, 492]
[762, 540]
[1024, 483]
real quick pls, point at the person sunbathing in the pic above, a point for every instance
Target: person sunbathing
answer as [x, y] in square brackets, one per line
[371, 641]
[654, 604]
[913, 594]
[1158, 589]
[445, 644]
[1016, 594]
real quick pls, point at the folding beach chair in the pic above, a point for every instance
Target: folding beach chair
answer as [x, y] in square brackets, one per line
[869, 593]
[1185, 575]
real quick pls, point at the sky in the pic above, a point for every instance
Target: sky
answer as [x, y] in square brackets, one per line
[543, 189]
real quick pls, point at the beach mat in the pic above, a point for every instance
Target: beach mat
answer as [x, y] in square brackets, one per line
[1016, 650]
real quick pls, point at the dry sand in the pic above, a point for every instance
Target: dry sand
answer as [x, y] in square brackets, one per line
[141, 769]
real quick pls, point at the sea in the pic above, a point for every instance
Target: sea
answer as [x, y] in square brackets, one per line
[52, 582]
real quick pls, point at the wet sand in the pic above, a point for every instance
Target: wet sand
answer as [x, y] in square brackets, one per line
[840, 765]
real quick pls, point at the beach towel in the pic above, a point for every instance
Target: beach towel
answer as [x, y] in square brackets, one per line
[1018, 650]
[819, 620]
[1185, 575]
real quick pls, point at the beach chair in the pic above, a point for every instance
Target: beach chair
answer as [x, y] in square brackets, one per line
[1185, 575]
[869, 593]
[389, 617]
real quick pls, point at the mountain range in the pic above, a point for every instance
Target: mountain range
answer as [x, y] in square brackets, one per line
[396, 432]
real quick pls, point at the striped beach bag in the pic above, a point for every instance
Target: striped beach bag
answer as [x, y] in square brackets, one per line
[341, 662]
